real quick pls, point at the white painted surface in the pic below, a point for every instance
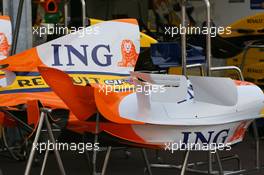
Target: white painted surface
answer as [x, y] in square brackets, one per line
[220, 105]
[158, 134]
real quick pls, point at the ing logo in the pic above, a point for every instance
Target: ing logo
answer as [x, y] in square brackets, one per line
[129, 54]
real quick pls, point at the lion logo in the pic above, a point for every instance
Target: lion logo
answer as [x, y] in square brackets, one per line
[129, 54]
[4, 46]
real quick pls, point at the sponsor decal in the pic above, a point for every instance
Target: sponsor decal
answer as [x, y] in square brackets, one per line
[129, 54]
[35, 83]
[4, 46]
[115, 53]
[255, 21]
[206, 137]
[82, 55]
[254, 70]
[239, 132]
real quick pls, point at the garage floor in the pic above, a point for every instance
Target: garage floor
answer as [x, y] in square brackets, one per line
[76, 164]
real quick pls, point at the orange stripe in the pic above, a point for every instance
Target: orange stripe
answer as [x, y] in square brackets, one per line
[5, 18]
[25, 61]
[49, 99]
[130, 21]
[242, 83]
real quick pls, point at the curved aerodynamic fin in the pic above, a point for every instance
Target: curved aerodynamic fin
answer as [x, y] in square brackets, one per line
[79, 99]
[215, 90]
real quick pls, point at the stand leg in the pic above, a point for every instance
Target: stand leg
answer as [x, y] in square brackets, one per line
[44, 162]
[184, 166]
[107, 156]
[33, 150]
[256, 135]
[95, 141]
[219, 163]
[57, 154]
[144, 153]
[88, 157]
[210, 164]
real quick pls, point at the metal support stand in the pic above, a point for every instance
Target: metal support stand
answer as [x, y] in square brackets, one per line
[94, 158]
[17, 27]
[256, 135]
[95, 141]
[144, 153]
[185, 163]
[234, 68]
[183, 38]
[248, 47]
[44, 119]
[66, 13]
[108, 153]
[107, 156]
[208, 38]
[44, 162]
[84, 19]
[200, 66]
[21, 17]
[192, 167]
[210, 163]
[221, 172]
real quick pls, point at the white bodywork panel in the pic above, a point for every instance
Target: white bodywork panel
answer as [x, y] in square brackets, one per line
[216, 101]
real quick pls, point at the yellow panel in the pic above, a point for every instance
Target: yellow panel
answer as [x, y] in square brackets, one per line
[255, 22]
[175, 70]
[254, 64]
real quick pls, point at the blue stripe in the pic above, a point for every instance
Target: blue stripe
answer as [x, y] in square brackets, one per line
[25, 90]
[182, 101]
[191, 96]
[71, 72]
[97, 73]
